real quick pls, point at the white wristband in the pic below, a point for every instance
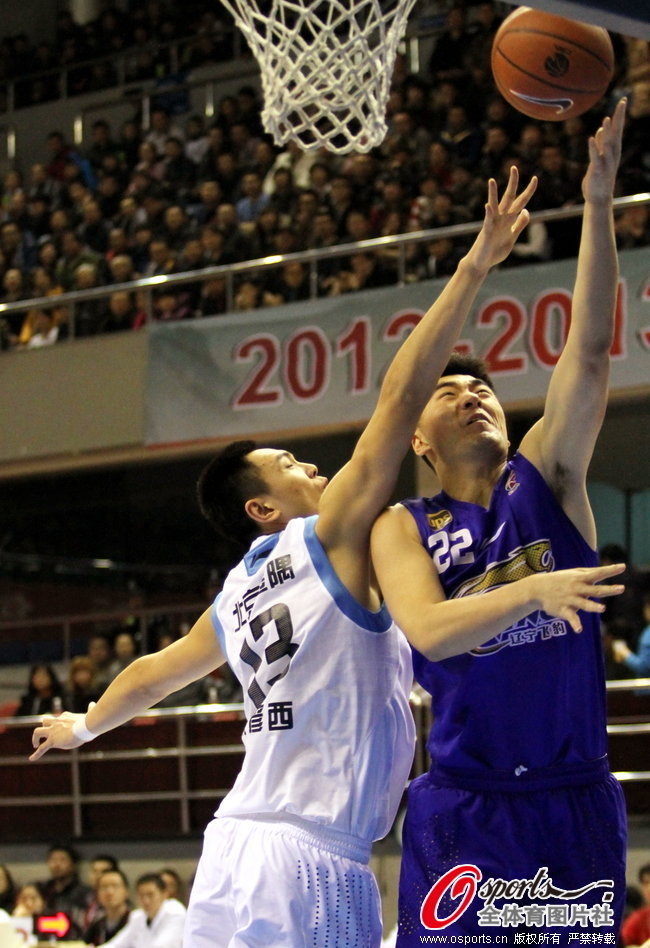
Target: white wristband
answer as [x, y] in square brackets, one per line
[80, 730]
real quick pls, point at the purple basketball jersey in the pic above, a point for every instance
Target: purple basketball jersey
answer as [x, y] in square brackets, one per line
[532, 698]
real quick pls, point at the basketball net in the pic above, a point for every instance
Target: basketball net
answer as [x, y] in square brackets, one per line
[326, 67]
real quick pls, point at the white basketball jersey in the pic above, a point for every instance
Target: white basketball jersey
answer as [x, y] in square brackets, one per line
[330, 735]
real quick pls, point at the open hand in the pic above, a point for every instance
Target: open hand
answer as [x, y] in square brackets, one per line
[566, 592]
[504, 221]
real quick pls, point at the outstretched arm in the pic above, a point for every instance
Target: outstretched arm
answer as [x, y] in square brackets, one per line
[363, 487]
[561, 444]
[439, 627]
[141, 685]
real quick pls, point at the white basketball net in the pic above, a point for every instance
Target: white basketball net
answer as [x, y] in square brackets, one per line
[326, 67]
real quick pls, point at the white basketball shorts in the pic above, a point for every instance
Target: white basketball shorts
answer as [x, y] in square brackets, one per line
[270, 884]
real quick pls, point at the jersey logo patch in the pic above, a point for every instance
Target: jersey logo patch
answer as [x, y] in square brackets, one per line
[439, 520]
[512, 483]
[524, 561]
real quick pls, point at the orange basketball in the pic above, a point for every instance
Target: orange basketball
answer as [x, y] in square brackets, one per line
[548, 67]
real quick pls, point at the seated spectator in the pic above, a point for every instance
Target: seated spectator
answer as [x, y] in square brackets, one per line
[100, 653]
[248, 294]
[30, 901]
[497, 153]
[150, 161]
[129, 217]
[121, 269]
[213, 301]
[282, 191]
[124, 313]
[102, 862]
[81, 689]
[38, 214]
[364, 271]
[173, 884]
[447, 61]
[74, 253]
[228, 173]
[253, 200]
[44, 331]
[162, 260]
[17, 247]
[632, 227]
[161, 129]
[265, 231]
[158, 923]
[113, 899]
[303, 218]
[93, 230]
[88, 314]
[177, 227]
[210, 196]
[125, 651]
[101, 142]
[109, 192]
[44, 693]
[636, 927]
[179, 172]
[637, 662]
[196, 139]
[439, 257]
[129, 143]
[8, 890]
[362, 170]
[463, 138]
[237, 245]
[172, 304]
[63, 890]
[289, 285]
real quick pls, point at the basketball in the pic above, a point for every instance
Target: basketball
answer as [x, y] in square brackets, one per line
[548, 67]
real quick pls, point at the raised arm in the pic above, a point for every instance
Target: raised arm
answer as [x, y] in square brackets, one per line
[363, 487]
[561, 444]
[141, 685]
[439, 627]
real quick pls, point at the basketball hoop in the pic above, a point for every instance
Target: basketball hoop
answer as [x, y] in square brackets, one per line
[326, 67]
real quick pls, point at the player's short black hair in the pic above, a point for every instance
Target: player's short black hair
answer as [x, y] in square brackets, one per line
[461, 363]
[224, 486]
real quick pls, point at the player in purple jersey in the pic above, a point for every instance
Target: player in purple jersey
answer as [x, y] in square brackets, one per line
[519, 826]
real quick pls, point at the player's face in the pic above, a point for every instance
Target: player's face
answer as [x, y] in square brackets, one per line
[462, 420]
[293, 487]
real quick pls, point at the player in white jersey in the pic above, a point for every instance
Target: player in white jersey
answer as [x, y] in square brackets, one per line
[326, 675]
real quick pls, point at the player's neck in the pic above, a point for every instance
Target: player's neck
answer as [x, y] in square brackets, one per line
[470, 482]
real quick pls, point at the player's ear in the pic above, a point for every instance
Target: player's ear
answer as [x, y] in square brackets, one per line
[261, 511]
[420, 444]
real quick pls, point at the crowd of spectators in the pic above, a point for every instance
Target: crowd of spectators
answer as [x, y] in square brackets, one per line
[102, 907]
[184, 194]
[108, 652]
[146, 41]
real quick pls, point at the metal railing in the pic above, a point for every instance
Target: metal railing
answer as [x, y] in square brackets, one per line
[312, 258]
[59, 80]
[183, 751]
